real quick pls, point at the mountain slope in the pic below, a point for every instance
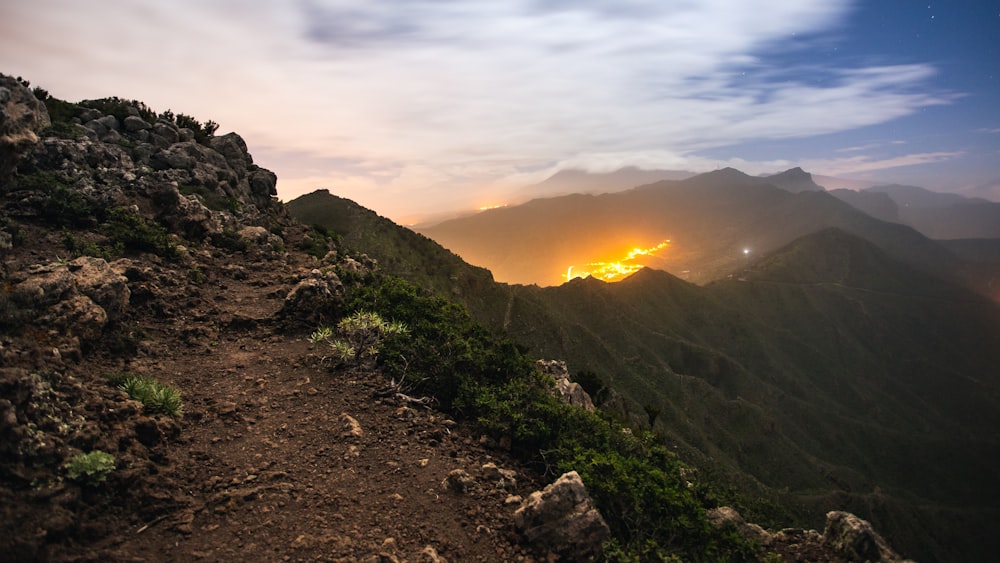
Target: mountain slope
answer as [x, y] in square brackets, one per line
[944, 216]
[832, 378]
[822, 377]
[709, 219]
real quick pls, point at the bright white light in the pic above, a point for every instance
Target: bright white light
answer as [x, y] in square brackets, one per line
[746, 251]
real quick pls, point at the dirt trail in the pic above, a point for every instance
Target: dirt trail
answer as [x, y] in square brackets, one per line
[277, 457]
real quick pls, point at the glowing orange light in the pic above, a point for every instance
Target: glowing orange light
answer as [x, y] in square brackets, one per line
[613, 271]
[488, 207]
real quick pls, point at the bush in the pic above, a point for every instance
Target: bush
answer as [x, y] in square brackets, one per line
[133, 232]
[154, 396]
[636, 482]
[90, 468]
[362, 335]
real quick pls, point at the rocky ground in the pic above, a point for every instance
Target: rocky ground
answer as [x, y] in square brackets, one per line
[276, 456]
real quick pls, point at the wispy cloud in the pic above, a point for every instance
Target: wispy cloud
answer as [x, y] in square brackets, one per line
[428, 96]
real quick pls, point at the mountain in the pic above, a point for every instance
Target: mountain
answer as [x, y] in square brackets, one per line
[821, 376]
[573, 181]
[794, 180]
[709, 219]
[944, 216]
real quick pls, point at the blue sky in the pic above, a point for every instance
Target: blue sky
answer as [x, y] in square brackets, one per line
[423, 106]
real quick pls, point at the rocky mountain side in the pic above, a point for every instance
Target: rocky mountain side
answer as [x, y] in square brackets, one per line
[166, 391]
[816, 376]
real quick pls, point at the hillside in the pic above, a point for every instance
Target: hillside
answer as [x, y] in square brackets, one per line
[820, 375]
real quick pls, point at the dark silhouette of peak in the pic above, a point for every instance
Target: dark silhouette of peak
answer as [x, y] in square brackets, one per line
[794, 180]
[834, 256]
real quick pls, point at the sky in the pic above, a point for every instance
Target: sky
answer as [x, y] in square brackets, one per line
[416, 107]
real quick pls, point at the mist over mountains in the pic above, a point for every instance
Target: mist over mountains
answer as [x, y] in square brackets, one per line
[716, 223]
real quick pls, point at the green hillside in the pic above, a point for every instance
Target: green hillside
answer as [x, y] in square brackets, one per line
[825, 374]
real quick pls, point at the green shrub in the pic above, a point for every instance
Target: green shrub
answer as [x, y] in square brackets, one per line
[362, 335]
[90, 468]
[154, 396]
[135, 233]
[637, 483]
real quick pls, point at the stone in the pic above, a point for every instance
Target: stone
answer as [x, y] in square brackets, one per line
[314, 299]
[458, 481]
[505, 479]
[725, 515]
[562, 518]
[22, 118]
[854, 539]
[96, 279]
[134, 124]
[569, 391]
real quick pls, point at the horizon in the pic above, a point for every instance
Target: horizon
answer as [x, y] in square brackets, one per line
[447, 107]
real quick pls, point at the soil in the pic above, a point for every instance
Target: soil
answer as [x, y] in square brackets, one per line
[277, 456]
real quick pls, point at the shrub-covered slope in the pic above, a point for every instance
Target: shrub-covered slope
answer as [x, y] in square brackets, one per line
[820, 375]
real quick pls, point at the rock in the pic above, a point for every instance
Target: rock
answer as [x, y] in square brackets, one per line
[22, 118]
[96, 279]
[352, 429]
[313, 300]
[854, 539]
[505, 479]
[725, 515]
[562, 519]
[458, 481]
[430, 555]
[569, 391]
[134, 124]
[77, 316]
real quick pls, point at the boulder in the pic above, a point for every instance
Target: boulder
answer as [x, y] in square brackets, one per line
[562, 519]
[135, 124]
[96, 279]
[728, 516]
[22, 118]
[568, 390]
[854, 539]
[315, 299]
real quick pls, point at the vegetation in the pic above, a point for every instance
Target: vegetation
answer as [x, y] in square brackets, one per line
[362, 334]
[154, 396]
[636, 482]
[90, 468]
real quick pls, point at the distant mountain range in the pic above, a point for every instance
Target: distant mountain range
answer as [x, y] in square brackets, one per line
[846, 362]
[710, 220]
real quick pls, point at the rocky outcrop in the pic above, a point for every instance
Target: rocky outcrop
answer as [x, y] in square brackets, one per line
[855, 539]
[569, 391]
[22, 118]
[846, 538]
[195, 184]
[79, 297]
[562, 519]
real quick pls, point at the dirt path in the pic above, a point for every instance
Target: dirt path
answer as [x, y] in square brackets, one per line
[281, 458]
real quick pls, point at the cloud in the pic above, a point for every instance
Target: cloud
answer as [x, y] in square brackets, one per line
[421, 96]
[859, 164]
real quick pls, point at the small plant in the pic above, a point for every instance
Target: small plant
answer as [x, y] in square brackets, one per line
[321, 334]
[362, 334]
[154, 396]
[90, 468]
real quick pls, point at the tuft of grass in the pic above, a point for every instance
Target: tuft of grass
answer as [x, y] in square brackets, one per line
[154, 396]
[90, 468]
